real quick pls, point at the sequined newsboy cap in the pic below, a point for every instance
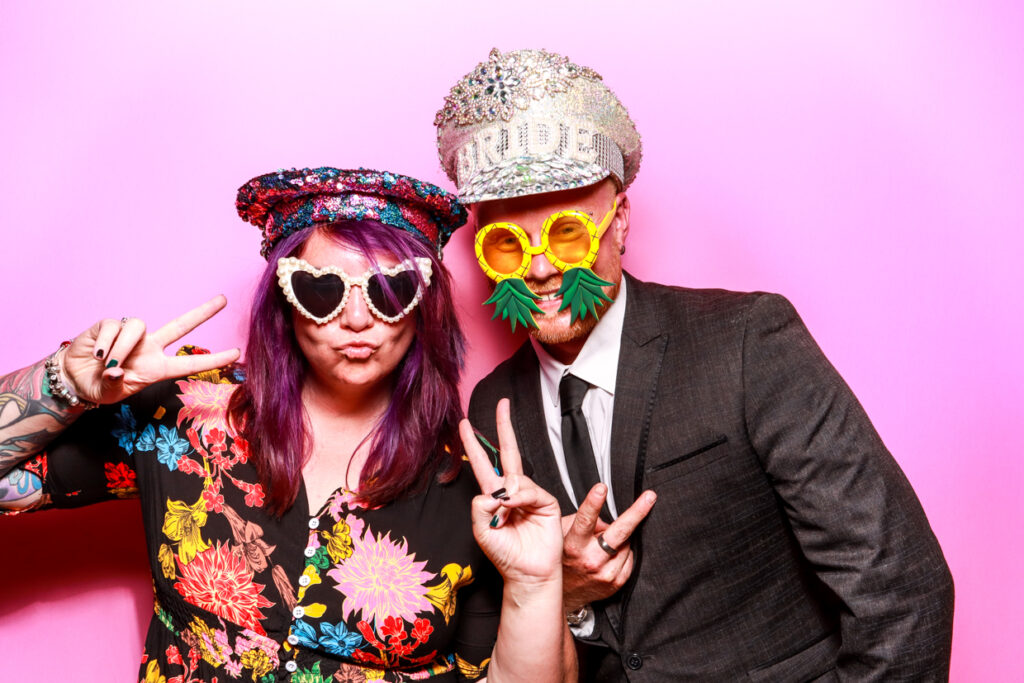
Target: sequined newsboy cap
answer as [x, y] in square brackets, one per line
[530, 121]
[284, 202]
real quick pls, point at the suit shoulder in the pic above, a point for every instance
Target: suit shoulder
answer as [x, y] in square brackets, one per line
[689, 307]
[497, 384]
[499, 377]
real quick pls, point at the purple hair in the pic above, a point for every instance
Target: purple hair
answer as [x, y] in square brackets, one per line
[417, 437]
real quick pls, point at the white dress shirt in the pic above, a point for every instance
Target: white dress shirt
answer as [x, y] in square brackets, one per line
[597, 363]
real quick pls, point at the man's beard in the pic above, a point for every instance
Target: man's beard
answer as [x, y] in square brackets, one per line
[559, 331]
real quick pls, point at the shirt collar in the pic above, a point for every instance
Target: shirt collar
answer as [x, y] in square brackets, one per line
[598, 360]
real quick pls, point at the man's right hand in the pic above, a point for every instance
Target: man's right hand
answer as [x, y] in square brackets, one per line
[589, 572]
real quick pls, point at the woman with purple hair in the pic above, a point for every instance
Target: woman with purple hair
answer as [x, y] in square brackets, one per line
[309, 516]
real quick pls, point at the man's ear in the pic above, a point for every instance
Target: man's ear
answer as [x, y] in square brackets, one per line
[620, 223]
[471, 221]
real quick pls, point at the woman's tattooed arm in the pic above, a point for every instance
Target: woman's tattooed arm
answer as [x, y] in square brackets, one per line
[19, 489]
[29, 419]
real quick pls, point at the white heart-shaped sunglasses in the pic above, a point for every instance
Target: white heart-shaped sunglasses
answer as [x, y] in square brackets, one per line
[320, 294]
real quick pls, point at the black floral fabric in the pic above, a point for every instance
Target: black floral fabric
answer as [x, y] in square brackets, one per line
[343, 593]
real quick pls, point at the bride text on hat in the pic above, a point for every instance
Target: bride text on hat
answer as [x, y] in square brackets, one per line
[570, 140]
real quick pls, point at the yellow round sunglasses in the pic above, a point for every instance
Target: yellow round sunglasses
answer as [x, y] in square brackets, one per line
[569, 239]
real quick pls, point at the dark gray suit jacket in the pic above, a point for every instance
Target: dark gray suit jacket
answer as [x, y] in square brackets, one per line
[786, 543]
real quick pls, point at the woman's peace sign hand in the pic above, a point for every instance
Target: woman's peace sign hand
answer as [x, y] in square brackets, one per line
[114, 359]
[517, 523]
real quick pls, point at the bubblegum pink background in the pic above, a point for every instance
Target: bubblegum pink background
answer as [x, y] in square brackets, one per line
[865, 159]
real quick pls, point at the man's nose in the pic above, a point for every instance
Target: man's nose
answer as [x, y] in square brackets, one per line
[540, 268]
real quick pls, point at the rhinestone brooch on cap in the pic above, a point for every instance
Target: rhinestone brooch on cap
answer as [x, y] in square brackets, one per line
[504, 83]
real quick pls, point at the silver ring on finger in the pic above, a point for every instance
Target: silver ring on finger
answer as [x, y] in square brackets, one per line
[604, 545]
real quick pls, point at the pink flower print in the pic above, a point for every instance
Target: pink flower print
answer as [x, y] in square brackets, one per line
[220, 637]
[212, 498]
[216, 442]
[380, 579]
[240, 450]
[336, 505]
[215, 439]
[189, 466]
[356, 525]
[254, 496]
[205, 403]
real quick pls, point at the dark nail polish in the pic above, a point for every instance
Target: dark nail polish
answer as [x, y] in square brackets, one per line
[111, 363]
[99, 353]
[500, 494]
[494, 521]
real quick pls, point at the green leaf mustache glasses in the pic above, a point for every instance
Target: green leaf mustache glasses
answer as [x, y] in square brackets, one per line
[569, 239]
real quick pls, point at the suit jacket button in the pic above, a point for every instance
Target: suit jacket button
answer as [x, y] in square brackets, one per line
[634, 661]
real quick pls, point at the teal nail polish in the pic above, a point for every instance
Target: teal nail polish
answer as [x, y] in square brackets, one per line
[494, 521]
[111, 363]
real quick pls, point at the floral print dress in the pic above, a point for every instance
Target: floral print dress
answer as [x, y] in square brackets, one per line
[344, 593]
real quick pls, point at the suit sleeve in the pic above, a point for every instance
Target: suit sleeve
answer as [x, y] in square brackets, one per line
[481, 412]
[850, 506]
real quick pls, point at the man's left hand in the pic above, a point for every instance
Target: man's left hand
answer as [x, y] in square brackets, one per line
[592, 570]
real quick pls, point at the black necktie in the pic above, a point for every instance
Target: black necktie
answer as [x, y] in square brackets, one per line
[579, 453]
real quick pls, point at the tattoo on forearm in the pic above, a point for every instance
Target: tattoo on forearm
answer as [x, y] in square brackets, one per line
[19, 447]
[18, 485]
[29, 417]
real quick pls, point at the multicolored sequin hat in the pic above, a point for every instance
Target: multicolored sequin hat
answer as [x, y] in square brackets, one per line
[287, 201]
[530, 121]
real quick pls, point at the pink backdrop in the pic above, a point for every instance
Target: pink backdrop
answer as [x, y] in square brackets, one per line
[866, 159]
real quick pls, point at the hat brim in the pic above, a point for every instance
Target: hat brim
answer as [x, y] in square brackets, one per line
[524, 176]
[284, 202]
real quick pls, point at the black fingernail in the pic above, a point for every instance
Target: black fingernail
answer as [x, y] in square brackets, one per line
[500, 494]
[111, 363]
[494, 521]
[99, 353]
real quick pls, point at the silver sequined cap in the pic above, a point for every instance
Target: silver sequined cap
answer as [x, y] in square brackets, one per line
[530, 121]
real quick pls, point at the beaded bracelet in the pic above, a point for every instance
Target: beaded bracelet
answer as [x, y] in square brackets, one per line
[55, 382]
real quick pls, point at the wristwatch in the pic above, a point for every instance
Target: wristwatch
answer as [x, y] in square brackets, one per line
[576, 618]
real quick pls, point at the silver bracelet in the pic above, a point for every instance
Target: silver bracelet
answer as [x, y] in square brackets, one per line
[58, 388]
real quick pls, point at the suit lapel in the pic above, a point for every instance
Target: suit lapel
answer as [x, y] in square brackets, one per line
[640, 358]
[531, 432]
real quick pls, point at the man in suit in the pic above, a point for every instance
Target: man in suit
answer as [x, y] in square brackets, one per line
[730, 511]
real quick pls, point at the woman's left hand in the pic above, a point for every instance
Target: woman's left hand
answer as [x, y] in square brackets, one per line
[517, 523]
